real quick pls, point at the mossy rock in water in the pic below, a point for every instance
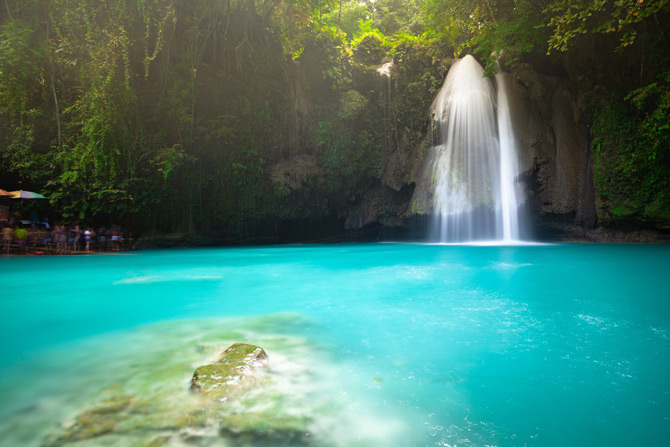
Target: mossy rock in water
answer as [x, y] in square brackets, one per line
[233, 373]
[266, 428]
[110, 405]
[159, 441]
[99, 420]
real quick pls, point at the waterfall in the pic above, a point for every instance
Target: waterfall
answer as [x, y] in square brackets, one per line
[473, 164]
[509, 170]
[385, 71]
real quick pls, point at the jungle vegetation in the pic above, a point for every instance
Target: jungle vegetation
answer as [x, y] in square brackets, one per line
[171, 116]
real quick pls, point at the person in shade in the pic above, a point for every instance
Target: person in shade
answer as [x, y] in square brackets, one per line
[88, 235]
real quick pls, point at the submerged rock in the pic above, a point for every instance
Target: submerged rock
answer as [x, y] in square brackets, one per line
[99, 420]
[268, 427]
[254, 412]
[234, 372]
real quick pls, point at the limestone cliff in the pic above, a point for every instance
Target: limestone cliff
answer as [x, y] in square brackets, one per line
[553, 147]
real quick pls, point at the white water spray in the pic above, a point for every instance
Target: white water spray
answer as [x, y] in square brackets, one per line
[474, 166]
[509, 189]
[385, 71]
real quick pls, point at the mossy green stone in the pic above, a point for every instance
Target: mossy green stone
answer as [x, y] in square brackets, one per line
[91, 424]
[87, 426]
[113, 404]
[231, 374]
[159, 441]
[101, 419]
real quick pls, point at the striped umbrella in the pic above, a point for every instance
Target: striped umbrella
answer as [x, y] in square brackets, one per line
[26, 195]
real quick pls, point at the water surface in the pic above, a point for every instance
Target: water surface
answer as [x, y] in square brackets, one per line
[386, 344]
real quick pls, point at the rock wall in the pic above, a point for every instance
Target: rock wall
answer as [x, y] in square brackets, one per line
[298, 111]
[554, 150]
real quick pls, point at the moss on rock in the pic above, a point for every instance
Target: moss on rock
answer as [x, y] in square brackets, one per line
[231, 374]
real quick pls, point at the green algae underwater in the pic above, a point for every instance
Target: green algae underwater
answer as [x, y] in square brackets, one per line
[367, 345]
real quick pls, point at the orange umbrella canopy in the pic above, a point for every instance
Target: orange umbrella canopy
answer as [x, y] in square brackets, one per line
[5, 193]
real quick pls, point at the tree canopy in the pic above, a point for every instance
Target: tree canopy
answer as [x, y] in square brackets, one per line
[172, 115]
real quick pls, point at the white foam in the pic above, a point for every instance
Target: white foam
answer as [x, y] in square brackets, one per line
[149, 279]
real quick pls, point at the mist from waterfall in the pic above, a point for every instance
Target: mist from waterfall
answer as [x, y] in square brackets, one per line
[473, 160]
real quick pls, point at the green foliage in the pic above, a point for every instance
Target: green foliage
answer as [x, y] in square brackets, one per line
[19, 70]
[352, 105]
[350, 158]
[652, 103]
[170, 114]
[631, 148]
[16, 153]
[168, 160]
[399, 16]
[370, 45]
[420, 71]
[348, 139]
[295, 19]
[389, 17]
[326, 61]
[348, 20]
[519, 34]
[454, 22]
[568, 19]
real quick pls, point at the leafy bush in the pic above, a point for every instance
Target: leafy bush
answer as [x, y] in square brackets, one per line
[631, 146]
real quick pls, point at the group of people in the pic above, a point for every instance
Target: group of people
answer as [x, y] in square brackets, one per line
[41, 239]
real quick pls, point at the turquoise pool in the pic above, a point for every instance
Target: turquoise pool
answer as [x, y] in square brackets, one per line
[369, 345]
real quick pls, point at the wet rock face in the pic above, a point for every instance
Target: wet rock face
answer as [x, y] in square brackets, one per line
[553, 146]
[381, 205]
[234, 372]
[296, 173]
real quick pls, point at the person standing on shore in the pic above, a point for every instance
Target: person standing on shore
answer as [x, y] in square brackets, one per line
[115, 240]
[87, 238]
[75, 237]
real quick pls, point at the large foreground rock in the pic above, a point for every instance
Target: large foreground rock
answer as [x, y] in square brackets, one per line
[235, 371]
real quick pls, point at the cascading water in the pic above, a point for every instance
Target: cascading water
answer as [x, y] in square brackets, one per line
[509, 168]
[385, 71]
[473, 163]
